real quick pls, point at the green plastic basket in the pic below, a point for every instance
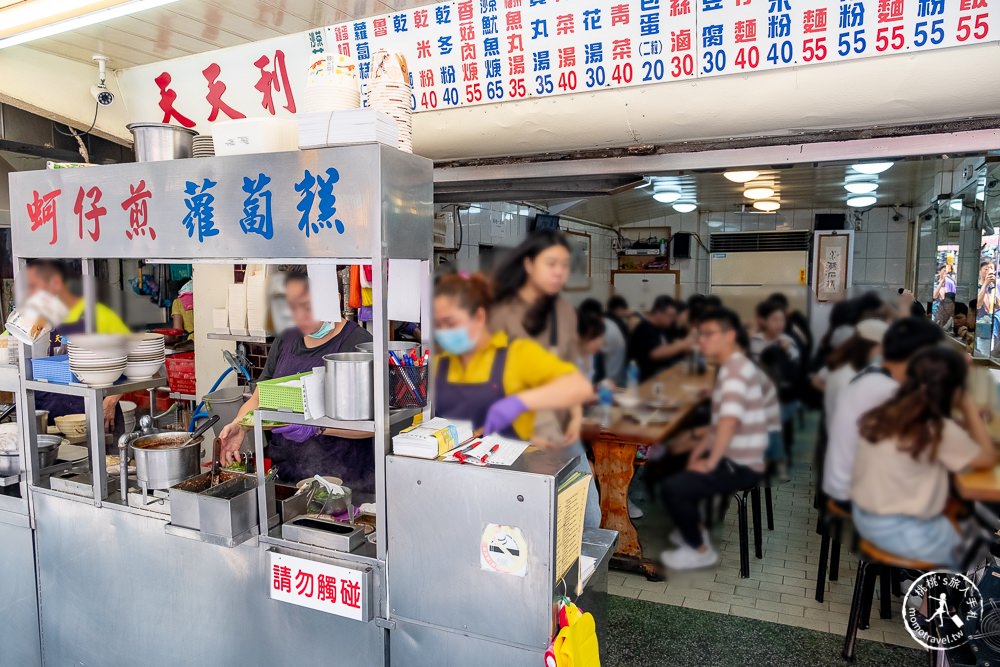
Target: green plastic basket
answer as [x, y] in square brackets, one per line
[275, 397]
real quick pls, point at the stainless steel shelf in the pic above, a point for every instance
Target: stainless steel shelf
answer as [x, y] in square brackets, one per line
[395, 417]
[9, 481]
[182, 397]
[240, 339]
[75, 389]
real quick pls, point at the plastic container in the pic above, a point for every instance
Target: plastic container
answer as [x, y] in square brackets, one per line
[52, 369]
[180, 373]
[275, 397]
[225, 403]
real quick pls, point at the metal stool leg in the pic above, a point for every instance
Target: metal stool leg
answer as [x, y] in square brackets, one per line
[757, 533]
[854, 618]
[824, 549]
[837, 526]
[769, 506]
[897, 590]
[741, 501]
[868, 595]
[885, 591]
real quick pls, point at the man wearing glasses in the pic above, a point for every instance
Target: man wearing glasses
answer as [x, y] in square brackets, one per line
[731, 454]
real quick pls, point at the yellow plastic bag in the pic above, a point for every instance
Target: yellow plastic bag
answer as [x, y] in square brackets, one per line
[576, 643]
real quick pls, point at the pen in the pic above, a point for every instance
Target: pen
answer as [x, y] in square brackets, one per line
[460, 455]
[493, 450]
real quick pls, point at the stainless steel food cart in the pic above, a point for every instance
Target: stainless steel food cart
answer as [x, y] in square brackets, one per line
[117, 580]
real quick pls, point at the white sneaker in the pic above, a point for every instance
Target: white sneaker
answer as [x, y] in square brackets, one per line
[686, 558]
[634, 511]
[677, 539]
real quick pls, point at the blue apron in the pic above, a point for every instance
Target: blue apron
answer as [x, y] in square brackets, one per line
[353, 461]
[471, 401]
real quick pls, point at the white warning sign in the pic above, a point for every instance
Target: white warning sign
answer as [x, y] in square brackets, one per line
[503, 549]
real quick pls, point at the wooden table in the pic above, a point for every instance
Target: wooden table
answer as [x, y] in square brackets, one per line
[615, 448]
[981, 485]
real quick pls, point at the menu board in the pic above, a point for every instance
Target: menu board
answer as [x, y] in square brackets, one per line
[483, 51]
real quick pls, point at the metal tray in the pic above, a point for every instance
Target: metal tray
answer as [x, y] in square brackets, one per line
[229, 509]
[322, 532]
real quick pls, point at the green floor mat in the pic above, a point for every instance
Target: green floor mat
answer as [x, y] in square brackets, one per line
[646, 634]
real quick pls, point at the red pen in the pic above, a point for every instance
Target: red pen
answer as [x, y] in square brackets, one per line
[493, 450]
[460, 455]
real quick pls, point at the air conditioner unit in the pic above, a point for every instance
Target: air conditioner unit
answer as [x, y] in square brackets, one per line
[746, 267]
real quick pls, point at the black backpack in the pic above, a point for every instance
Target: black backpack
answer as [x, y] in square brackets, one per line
[783, 371]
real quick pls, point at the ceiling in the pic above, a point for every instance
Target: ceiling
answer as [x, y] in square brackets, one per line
[195, 26]
[803, 186]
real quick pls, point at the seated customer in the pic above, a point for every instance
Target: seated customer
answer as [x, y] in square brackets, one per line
[871, 388]
[908, 446]
[656, 344]
[850, 358]
[731, 454]
[963, 328]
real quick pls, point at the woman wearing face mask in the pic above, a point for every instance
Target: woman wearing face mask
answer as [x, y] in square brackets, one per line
[302, 451]
[487, 378]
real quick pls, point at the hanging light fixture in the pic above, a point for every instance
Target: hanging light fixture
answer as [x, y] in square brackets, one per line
[741, 176]
[758, 193]
[685, 207]
[861, 201]
[666, 196]
[871, 167]
[861, 187]
[767, 205]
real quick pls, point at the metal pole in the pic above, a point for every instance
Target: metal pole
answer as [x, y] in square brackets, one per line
[89, 296]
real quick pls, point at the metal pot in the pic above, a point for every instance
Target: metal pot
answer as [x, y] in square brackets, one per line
[42, 420]
[48, 454]
[349, 378]
[161, 462]
[161, 141]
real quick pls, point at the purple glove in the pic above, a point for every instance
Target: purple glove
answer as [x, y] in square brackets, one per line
[502, 414]
[298, 432]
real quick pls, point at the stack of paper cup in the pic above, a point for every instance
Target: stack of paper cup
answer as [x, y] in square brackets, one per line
[333, 85]
[389, 92]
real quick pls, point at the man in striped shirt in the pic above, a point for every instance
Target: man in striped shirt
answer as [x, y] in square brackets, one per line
[731, 455]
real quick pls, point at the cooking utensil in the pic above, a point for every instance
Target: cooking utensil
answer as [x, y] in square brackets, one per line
[198, 432]
[216, 464]
[161, 461]
[349, 379]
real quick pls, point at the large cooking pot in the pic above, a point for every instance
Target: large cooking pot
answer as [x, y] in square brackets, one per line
[48, 453]
[161, 461]
[161, 141]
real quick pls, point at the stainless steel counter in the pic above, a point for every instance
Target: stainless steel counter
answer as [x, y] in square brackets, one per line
[19, 638]
[115, 589]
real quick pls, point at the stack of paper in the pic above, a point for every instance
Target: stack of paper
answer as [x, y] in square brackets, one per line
[256, 287]
[356, 126]
[220, 320]
[238, 309]
[571, 505]
[431, 439]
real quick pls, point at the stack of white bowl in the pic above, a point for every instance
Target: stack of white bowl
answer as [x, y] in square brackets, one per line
[97, 360]
[145, 356]
[389, 92]
[333, 85]
[203, 146]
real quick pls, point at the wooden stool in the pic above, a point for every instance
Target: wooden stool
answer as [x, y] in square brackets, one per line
[741, 501]
[832, 528]
[873, 560]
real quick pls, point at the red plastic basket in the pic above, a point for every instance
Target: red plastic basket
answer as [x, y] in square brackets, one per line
[180, 373]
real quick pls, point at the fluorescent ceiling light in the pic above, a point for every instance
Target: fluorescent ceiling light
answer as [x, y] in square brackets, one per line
[981, 195]
[666, 196]
[956, 204]
[685, 207]
[36, 19]
[871, 167]
[862, 201]
[766, 205]
[715, 223]
[861, 187]
[741, 176]
[758, 193]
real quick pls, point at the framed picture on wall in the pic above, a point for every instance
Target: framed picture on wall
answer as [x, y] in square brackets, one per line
[579, 261]
[832, 257]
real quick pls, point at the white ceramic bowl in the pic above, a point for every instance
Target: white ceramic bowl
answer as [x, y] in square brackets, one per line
[99, 378]
[97, 341]
[143, 370]
[627, 401]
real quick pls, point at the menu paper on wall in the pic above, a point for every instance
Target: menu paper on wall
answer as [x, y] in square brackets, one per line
[470, 52]
[571, 505]
[324, 587]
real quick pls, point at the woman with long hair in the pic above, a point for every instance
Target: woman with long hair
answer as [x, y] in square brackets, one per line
[909, 446]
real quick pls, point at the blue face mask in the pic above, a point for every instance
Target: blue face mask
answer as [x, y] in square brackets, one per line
[323, 330]
[454, 341]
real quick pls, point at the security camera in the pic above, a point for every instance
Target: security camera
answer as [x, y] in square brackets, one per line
[100, 91]
[103, 96]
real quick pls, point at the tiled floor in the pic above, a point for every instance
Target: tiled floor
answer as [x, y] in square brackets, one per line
[781, 585]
